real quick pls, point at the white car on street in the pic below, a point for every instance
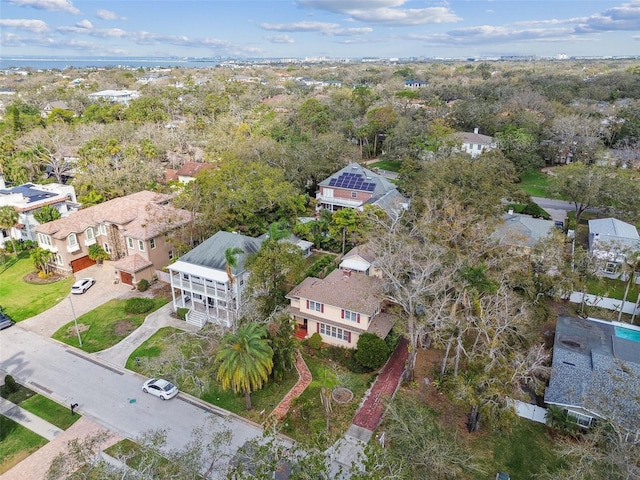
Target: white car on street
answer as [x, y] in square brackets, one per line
[82, 285]
[160, 388]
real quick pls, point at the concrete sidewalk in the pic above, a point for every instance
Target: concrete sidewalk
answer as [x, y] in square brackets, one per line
[29, 420]
[120, 352]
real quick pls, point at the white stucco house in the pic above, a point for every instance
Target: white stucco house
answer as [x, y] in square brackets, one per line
[611, 241]
[200, 282]
[475, 143]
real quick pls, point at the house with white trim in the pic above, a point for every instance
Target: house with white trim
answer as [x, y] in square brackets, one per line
[611, 241]
[200, 283]
[475, 143]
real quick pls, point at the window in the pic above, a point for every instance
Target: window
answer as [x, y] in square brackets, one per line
[72, 240]
[354, 194]
[130, 242]
[106, 247]
[152, 243]
[44, 239]
[59, 259]
[141, 245]
[102, 229]
[582, 420]
[317, 306]
[335, 332]
[611, 267]
[89, 233]
[351, 316]
[170, 254]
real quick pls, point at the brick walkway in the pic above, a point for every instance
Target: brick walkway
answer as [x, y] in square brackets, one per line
[303, 382]
[370, 414]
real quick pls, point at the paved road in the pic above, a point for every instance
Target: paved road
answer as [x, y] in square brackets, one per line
[109, 396]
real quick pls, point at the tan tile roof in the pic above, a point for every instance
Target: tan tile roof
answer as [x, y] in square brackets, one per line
[356, 292]
[141, 215]
[190, 169]
[132, 263]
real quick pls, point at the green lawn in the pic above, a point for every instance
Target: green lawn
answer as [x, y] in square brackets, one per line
[16, 443]
[524, 452]
[152, 348]
[21, 300]
[535, 184]
[104, 326]
[50, 411]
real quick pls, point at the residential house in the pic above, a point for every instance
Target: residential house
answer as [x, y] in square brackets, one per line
[28, 198]
[339, 307]
[49, 107]
[187, 172]
[595, 371]
[115, 96]
[522, 232]
[355, 186]
[134, 230]
[360, 259]
[611, 241]
[199, 279]
[475, 143]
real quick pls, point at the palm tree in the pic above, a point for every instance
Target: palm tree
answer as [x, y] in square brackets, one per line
[230, 256]
[41, 258]
[246, 360]
[8, 219]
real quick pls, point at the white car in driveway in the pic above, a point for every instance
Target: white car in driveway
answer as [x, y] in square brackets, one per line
[82, 285]
[160, 388]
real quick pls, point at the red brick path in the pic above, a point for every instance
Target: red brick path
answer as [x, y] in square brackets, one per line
[303, 382]
[370, 414]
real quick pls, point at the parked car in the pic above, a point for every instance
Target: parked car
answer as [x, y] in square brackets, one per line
[5, 321]
[160, 388]
[82, 285]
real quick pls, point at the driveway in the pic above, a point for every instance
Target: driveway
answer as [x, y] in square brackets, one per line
[49, 321]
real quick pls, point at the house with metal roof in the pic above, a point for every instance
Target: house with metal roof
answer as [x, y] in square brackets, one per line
[611, 241]
[355, 186]
[521, 232]
[595, 371]
[27, 199]
[200, 281]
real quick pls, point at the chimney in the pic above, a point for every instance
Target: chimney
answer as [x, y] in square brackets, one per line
[511, 211]
[476, 130]
[346, 273]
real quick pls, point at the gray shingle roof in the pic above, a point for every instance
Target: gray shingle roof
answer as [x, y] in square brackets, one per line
[523, 230]
[596, 369]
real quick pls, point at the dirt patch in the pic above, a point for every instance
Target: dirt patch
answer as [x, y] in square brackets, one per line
[72, 332]
[123, 328]
[449, 414]
[34, 278]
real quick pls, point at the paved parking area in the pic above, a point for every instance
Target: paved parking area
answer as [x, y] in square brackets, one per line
[48, 322]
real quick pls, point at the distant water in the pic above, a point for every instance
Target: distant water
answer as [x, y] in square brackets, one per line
[50, 63]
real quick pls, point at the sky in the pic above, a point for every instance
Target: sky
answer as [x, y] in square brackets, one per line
[319, 28]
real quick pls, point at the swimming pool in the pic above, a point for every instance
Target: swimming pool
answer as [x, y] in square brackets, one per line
[628, 334]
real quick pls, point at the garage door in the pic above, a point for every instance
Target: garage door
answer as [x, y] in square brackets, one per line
[81, 263]
[126, 278]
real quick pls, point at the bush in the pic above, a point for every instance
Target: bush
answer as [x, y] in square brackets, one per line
[315, 341]
[372, 351]
[142, 285]
[318, 266]
[393, 338]
[138, 305]
[10, 384]
[181, 313]
[345, 358]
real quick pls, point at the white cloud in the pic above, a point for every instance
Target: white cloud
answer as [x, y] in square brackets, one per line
[108, 15]
[279, 39]
[385, 12]
[49, 5]
[35, 26]
[85, 24]
[348, 32]
[299, 26]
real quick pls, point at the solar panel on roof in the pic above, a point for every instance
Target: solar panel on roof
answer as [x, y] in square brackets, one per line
[332, 182]
[372, 187]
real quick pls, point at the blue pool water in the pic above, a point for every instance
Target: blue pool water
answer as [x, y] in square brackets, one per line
[628, 334]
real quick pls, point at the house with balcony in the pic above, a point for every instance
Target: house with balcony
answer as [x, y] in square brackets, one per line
[355, 186]
[611, 241]
[135, 230]
[27, 199]
[595, 372]
[200, 282]
[340, 308]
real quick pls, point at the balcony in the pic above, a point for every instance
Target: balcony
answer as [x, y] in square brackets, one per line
[89, 241]
[51, 248]
[342, 202]
[73, 248]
